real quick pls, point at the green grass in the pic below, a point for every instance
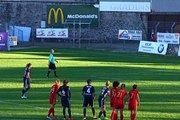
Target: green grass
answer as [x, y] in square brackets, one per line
[158, 79]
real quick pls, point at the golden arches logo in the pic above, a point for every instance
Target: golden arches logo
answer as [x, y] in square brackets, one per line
[52, 10]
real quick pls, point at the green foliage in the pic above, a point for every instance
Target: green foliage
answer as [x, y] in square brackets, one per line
[157, 78]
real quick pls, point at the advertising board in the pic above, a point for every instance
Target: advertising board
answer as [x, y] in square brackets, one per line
[125, 6]
[12, 40]
[130, 34]
[3, 41]
[153, 47]
[52, 33]
[169, 38]
[57, 15]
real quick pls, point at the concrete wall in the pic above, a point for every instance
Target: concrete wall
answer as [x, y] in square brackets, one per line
[30, 14]
[18, 13]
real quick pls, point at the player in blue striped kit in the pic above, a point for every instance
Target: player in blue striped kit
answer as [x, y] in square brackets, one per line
[26, 81]
[88, 93]
[103, 94]
[65, 93]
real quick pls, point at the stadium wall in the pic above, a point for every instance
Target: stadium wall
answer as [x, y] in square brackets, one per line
[31, 13]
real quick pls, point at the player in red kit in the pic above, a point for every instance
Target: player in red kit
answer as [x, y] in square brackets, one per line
[118, 103]
[122, 100]
[114, 93]
[52, 99]
[134, 101]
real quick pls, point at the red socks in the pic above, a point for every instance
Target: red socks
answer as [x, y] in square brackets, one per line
[51, 110]
[122, 117]
[114, 116]
[133, 116]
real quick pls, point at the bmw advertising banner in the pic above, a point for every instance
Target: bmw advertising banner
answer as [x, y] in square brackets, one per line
[153, 47]
[58, 15]
[3, 41]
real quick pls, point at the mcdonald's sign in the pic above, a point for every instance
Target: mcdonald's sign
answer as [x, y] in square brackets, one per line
[58, 14]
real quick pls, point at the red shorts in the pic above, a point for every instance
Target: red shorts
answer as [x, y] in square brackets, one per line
[52, 100]
[112, 103]
[132, 106]
[119, 105]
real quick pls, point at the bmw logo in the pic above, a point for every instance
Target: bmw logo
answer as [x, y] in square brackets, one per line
[161, 48]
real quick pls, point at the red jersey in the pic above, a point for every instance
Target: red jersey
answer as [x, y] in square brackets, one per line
[117, 98]
[52, 98]
[123, 93]
[133, 99]
[113, 95]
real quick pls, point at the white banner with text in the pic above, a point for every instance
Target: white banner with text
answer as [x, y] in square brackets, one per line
[169, 38]
[125, 6]
[12, 40]
[52, 33]
[153, 47]
[130, 34]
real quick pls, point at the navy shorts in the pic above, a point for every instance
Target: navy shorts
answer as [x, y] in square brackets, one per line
[26, 82]
[65, 103]
[101, 102]
[89, 102]
[52, 66]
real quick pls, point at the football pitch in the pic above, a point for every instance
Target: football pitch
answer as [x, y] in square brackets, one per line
[157, 77]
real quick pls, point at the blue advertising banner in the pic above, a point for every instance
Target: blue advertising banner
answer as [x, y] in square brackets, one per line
[3, 41]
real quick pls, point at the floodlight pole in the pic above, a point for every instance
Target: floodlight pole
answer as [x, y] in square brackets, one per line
[172, 27]
[156, 27]
[74, 33]
[79, 34]
[7, 30]
[88, 34]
